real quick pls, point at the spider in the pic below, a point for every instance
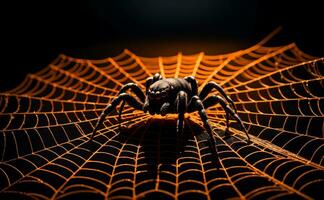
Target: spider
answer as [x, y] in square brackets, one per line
[177, 96]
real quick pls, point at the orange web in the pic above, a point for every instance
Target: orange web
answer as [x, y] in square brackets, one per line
[278, 92]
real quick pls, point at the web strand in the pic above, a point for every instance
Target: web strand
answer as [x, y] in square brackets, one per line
[45, 123]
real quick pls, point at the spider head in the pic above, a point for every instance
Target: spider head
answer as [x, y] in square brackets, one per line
[159, 91]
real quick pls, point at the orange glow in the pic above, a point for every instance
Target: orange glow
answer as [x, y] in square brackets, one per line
[46, 121]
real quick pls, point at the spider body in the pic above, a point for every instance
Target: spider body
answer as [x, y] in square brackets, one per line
[177, 96]
[162, 95]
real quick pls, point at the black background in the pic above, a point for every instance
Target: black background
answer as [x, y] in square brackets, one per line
[35, 33]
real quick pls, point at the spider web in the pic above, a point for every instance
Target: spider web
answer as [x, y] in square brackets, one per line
[45, 123]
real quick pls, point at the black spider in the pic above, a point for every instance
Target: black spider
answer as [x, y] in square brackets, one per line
[174, 95]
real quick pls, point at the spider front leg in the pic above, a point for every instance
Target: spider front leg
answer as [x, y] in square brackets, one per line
[151, 80]
[137, 91]
[196, 104]
[181, 105]
[148, 83]
[212, 85]
[193, 83]
[213, 100]
[122, 97]
[165, 108]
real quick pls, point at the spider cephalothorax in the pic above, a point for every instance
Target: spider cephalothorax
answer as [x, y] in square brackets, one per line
[174, 95]
[163, 93]
[159, 95]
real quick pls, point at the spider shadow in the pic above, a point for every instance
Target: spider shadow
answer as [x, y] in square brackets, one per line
[164, 153]
[155, 154]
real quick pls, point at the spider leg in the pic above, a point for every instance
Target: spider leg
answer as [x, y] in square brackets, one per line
[181, 104]
[135, 88]
[151, 80]
[121, 108]
[148, 83]
[212, 85]
[164, 108]
[213, 100]
[196, 104]
[193, 83]
[137, 91]
[122, 97]
[157, 77]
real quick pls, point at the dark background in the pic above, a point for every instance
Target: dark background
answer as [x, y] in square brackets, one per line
[35, 33]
